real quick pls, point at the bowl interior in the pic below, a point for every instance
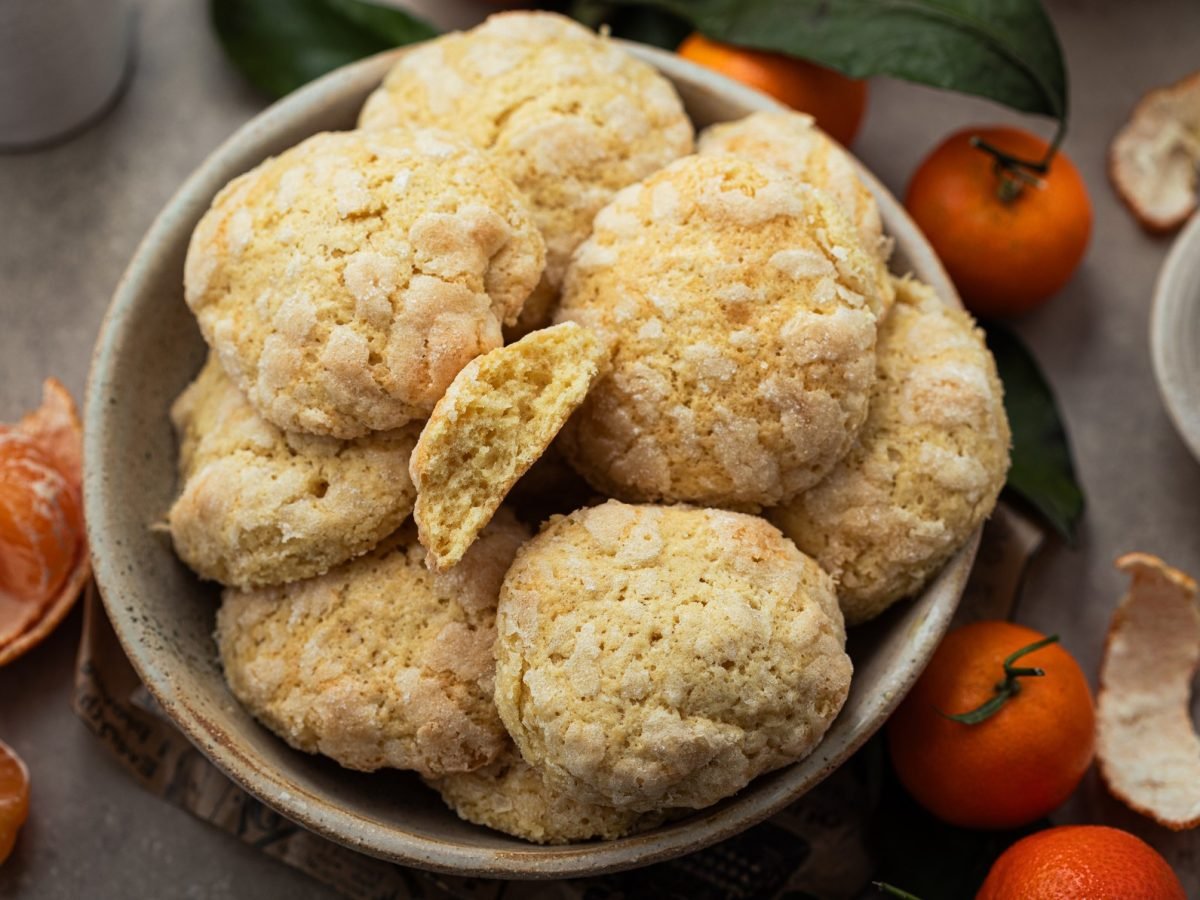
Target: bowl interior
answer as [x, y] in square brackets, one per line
[150, 348]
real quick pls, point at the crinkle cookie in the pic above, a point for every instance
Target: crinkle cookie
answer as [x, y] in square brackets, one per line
[652, 657]
[565, 113]
[263, 506]
[379, 663]
[496, 419]
[512, 796]
[793, 142]
[346, 281]
[927, 467]
[739, 303]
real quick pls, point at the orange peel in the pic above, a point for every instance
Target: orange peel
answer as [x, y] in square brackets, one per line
[55, 432]
[1146, 743]
[1153, 158]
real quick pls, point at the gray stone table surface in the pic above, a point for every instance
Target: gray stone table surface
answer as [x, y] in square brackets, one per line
[71, 215]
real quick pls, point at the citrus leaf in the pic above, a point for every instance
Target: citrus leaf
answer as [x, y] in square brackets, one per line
[281, 44]
[1042, 472]
[644, 24]
[1005, 50]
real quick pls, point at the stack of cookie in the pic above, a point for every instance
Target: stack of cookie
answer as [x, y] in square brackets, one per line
[509, 397]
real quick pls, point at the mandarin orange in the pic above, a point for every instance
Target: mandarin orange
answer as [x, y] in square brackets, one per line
[41, 521]
[1081, 861]
[1008, 244]
[835, 101]
[1016, 765]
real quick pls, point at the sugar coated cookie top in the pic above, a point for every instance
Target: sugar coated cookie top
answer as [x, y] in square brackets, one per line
[927, 468]
[653, 657]
[793, 142]
[346, 281]
[567, 114]
[379, 663]
[258, 505]
[740, 306]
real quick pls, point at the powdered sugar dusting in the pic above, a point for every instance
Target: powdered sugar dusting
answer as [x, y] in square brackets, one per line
[350, 192]
[801, 262]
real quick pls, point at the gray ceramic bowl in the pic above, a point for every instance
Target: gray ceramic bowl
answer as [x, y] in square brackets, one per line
[1175, 334]
[149, 348]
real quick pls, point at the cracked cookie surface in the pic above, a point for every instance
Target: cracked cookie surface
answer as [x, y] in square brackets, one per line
[928, 465]
[739, 304]
[568, 115]
[652, 657]
[379, 663]
[346, 281]
[258, 505]
[792, 141]
[512, 796]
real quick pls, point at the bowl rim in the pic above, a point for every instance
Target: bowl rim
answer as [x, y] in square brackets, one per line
[1170, 345]
[343, 826]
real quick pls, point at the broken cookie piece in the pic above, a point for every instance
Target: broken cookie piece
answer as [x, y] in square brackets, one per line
[499, 415]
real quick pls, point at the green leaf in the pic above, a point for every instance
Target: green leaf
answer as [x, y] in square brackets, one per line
[281, 44]
[1042, 470]
[644, 24]
[1005, 50]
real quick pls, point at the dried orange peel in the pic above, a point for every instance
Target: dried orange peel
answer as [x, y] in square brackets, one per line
[1153, 159]
[1146, 742]
[44, 560]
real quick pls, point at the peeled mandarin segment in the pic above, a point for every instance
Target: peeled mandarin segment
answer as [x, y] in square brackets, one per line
[40, 523]
[43, 550]
[55, 428]
[1146, 742]
[17, 616]
[14, 798]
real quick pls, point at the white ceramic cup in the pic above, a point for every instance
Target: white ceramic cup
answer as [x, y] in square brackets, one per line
[61, 62]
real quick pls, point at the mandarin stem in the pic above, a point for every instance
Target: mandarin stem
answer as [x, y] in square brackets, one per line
[894, 891]
[1006, 689]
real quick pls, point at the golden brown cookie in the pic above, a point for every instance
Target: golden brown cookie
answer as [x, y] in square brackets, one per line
[496, 419]
[379, 663]
[740, 306]
[652, 657]
[927, 468]
[569, 116]
[346, 281]
[793, 142]
[261, 506]
[512, 796]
